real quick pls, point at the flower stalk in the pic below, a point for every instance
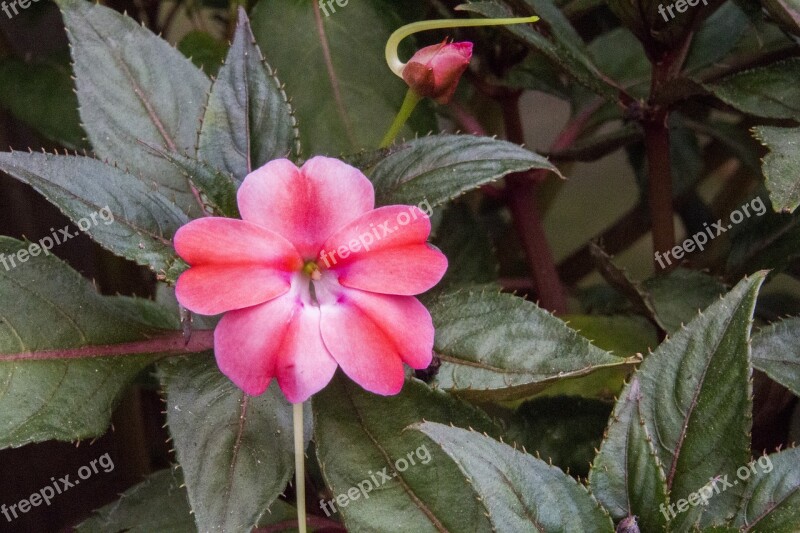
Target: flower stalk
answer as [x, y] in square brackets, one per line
[300, 466]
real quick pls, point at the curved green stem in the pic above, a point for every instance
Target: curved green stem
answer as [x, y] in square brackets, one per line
[393, 60]
[410, 102]
[300, 467]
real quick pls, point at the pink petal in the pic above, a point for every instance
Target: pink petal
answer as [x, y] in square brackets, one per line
[305, 205]
[371, 335]
[235, 264]
[279, 338]
[385, 251]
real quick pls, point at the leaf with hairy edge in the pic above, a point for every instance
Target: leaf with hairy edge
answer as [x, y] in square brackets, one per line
[134, 87]
[781, 166]
[498, 346]
[144, 221]
[344, 96]
[771, 500]
[565, 56]
[626, 476]
[58, 379]
[236, 451]
[156, 504]
[519, 491]
[248, 121]
[777, 354]
[769, 91]
[217, 189]
[442, 167]
[696, 400]
[362, 438]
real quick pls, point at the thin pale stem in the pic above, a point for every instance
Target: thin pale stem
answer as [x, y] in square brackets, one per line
[409, 103]
[300, 467]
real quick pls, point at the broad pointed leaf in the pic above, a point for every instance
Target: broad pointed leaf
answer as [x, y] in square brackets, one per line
[442, 167]
[248, 121]
[627, 476]
[776, 352]
[499, 346]
[58, 379]
[362, 443]
[771, 501]
[519, 491]
[134, 87]
[144, 220]
[236, 451]
[696, 399]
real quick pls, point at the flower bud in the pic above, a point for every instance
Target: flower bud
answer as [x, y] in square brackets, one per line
[434, 71]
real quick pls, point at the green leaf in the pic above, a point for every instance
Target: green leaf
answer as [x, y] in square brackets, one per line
[520, 492]
[781, 166]
[498, 346]
[248, 121]
[156, 504]
[466, 243]
[344, 96]
[627, 476]
[577, 65]
[236, 451]
[718, 35]
[205, 51]
[776, 353]
[217, 189]
[142, 223]
[564, 430]
[769, 91]
[41, 95]
[696, 400]
[135, 88]
[361, 436]
[54, 381]
[679, 295]
[442, 167]
[771, 501]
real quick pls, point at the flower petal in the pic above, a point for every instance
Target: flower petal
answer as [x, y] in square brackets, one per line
[385, 251]
[280, 338]
[235, 264]
[368, 335]
[305, 205]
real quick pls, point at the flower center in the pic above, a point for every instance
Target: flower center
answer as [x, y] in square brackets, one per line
[311, 270]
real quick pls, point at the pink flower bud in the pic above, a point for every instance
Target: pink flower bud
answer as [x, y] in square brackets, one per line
[434, 71]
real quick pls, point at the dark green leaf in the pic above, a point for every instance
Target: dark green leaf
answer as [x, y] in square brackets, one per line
[770, 91]
[771, 501]
[217, 189]
[248, 121]
[776, 352]
[360, 435]
[41, 95]
[781, 166]
[520, 492]
[499, 346]
[696, 401]
[54, 313]
[466, 243]
[344, 94]
[204, 50]
[679, 295]
[439, 168]
[141, 222]
[627, 476]
[156, 504]
[718, 35]
[236, 451]
[135, 88]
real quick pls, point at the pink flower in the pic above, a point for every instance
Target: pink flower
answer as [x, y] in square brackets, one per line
[312, 278]
[434, 71]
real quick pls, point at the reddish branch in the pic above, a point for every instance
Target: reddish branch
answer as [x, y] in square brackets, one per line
[170, 344]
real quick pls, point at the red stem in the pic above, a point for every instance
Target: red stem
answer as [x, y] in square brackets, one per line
[171, 344]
